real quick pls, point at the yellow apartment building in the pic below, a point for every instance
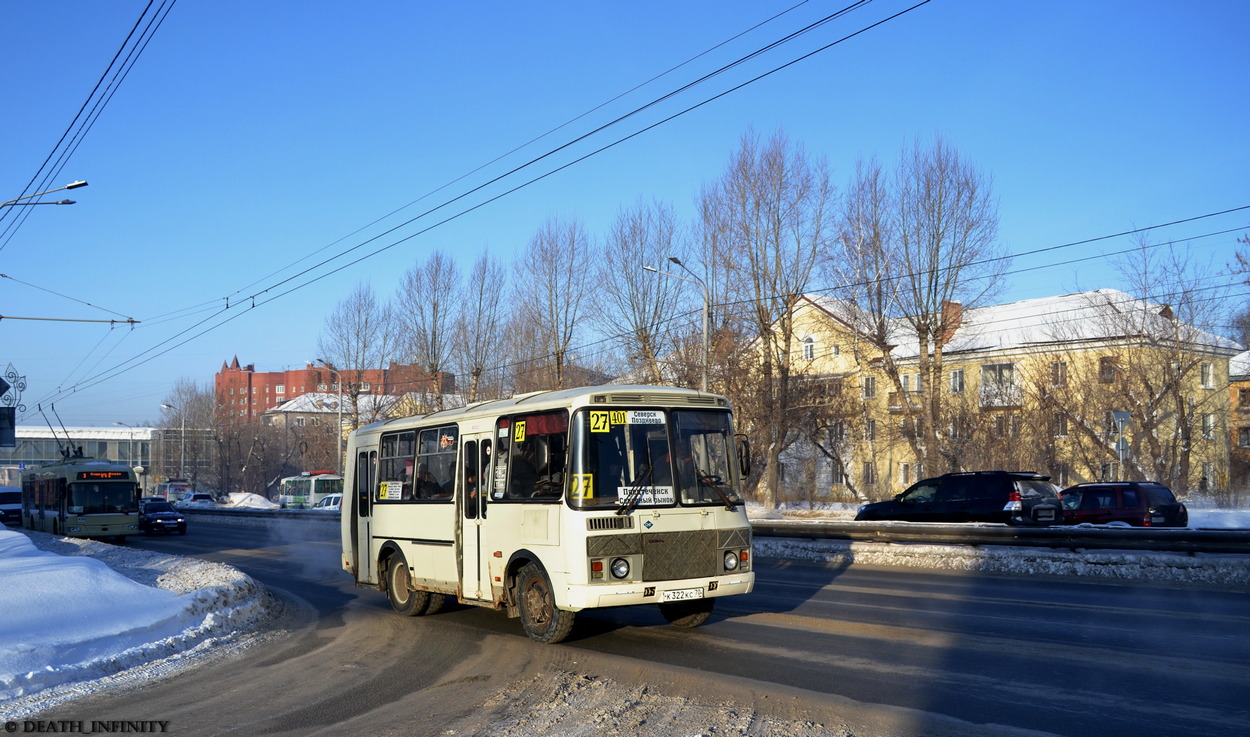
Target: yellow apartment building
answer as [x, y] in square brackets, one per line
[1091, 386]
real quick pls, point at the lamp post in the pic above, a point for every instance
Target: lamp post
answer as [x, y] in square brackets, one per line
[17, 201]
[182, 440]
[339, 443]
[706, 304]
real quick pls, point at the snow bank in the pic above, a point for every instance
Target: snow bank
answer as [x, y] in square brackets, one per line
[68, 614]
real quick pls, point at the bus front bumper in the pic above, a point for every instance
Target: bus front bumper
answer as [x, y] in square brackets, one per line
[594, 596]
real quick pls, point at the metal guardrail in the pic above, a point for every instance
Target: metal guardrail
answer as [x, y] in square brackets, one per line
[1156, 539]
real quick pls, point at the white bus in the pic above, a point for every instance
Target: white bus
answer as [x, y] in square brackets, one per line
[310, 487]
[549, 503]
[81, 497]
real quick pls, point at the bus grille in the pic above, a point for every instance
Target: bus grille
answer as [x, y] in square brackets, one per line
[615, 522]
[668, 556]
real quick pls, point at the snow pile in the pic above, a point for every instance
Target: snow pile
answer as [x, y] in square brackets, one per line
[79, 610]
[250, 501]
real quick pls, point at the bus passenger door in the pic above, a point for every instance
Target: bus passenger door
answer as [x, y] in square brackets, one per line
[361, 510]
[475, 468]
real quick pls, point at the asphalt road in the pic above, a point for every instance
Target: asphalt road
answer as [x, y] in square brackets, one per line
[878, 651]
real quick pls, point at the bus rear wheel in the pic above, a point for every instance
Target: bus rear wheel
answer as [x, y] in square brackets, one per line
[399, 589]
[540, 618]
[687, 613]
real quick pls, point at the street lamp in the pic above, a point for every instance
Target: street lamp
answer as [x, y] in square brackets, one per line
[706, 304]
[182, 440]
[339, 444]
[17, 201]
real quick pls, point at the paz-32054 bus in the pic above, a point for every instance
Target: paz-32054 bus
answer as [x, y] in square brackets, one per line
[81, 497]
[549, 503]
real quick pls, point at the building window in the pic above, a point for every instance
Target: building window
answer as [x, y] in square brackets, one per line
[837, 476]
[809, 348]
[870, 474]
[280, 389]
[837, 431]
[1243, 398]
[1208, 476]
[1208, 425]
[1059, 373]
[870, 430]
[322, 388]
[1243, 437]
[1208, 376]
[957, 381]
[1106, 370]
[1061, 425]
[299, 421]
[870, 387]
[1060, 476]
[904, 474]
[834, 350]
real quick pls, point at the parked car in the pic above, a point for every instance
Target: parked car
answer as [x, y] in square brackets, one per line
[197, 499]
[1139, 504]
[1012, 497]
[11, 505]
[331, 502]
[160, 516]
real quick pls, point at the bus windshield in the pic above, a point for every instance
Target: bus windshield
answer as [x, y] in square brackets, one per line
[652, 458]
[102, 498]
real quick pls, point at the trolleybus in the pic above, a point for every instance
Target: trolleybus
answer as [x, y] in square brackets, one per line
[549, 503]
[305, 490]
[81, 497]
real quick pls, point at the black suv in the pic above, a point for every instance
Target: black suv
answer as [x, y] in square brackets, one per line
[1135, 503]
[1013, 497]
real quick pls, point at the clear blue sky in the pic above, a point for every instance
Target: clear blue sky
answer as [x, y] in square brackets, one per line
[251, 134]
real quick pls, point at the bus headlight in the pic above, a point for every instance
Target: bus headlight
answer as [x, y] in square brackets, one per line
[731, 560]
[620, 568]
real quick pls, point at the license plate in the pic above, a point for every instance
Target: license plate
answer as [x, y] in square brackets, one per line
[1045, 515]
[681, 595]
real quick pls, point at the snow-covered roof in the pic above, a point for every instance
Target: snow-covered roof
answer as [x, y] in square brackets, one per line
[1102, 314]
[328, 403]
[1239, 366]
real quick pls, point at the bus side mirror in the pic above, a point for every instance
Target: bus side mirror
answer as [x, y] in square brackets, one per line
[744, 454]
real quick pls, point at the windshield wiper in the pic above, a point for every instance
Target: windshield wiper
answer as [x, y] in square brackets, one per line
[706, 479]
[634, 494]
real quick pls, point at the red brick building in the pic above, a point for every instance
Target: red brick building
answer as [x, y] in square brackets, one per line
[244, 393]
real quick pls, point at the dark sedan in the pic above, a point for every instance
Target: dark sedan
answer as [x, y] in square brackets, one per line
[161, 517]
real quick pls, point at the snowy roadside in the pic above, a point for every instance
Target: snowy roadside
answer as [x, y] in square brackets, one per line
[77, 616]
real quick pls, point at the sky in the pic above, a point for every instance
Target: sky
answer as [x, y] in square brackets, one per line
[151, 613]
[260, 161]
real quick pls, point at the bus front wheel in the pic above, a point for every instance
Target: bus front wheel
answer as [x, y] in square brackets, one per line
[687, 613]
[540, 618]
[399, 589]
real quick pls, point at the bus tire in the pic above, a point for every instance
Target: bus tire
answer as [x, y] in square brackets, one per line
[540, 618]
[436, 603]
[399, 590]
[687, 613]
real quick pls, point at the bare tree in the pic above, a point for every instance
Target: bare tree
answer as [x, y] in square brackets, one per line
[427, 313]
[769, 213]
[478, 328]
[358, 335]
[637, 305]
[188, 416]
[920, 249]
[550, 290]
[1147, 402]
